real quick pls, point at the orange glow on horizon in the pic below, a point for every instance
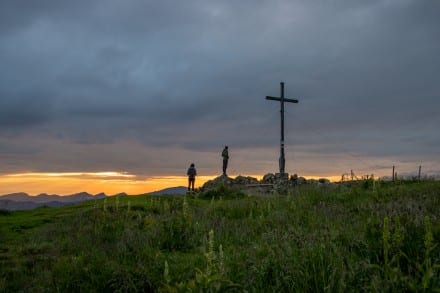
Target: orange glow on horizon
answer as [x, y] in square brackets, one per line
[331, 178]
[96, 182]
[74, 182]
[73, 174]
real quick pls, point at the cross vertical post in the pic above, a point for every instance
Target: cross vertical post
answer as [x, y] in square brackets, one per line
[282, 99]
[282, 158]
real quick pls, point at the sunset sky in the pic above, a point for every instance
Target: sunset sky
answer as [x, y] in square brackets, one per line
[122, 96]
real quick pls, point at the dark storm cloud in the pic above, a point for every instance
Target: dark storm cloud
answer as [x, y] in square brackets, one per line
[192, 75]
[23, 110]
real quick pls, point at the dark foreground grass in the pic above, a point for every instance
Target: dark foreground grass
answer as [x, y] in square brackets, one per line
[315, 239]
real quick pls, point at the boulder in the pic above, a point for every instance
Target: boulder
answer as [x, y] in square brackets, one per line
[221, 180]
[312, 181]
[323, 181]
[242, 180]
[269, 178]
[293, 180]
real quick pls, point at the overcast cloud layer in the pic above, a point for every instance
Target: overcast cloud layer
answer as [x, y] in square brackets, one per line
[148, 87]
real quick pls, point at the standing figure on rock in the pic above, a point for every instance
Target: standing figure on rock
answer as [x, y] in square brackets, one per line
[225, 156]
[192, 172]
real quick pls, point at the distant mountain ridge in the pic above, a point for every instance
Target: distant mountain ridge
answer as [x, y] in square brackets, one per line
[44, 197]
[179, 190]
[24, 201]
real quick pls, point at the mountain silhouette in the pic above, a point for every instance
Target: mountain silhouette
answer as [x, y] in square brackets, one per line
[24, 201]
[179, 190]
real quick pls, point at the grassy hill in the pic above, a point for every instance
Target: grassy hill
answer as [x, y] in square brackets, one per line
[317, 238]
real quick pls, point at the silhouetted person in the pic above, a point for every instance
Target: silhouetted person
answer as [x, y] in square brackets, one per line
[192, 172]
[225, 156]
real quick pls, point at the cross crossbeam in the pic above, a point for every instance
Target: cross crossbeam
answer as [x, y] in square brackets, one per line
[282, 100]
[279, 99]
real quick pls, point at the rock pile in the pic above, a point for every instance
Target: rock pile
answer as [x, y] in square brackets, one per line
[226, 181]
[270, 181]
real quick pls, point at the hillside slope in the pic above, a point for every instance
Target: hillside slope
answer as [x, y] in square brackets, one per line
[337, 238]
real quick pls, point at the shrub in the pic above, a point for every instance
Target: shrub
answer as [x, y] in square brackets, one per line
[222, 192]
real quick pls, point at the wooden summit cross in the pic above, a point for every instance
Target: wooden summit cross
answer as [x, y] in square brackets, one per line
[282, 99]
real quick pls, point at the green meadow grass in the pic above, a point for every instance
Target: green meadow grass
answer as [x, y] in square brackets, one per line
[363, 237]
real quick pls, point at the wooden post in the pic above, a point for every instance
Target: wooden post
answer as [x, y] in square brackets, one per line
[420, 172]
[394, 178]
